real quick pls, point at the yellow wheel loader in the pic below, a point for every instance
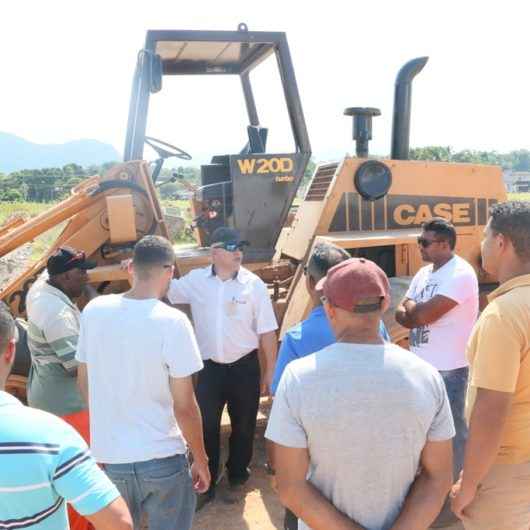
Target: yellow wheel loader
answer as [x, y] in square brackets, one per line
[371, 207]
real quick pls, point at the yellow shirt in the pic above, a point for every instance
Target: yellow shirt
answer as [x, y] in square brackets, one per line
[498, 354]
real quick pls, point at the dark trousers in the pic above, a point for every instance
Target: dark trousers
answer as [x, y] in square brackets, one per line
[237, 386]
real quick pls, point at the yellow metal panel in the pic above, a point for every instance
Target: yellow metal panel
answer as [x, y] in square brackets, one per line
[298, 238]
[373, 238]
[298, 307]
[107, 273]
[122, 222]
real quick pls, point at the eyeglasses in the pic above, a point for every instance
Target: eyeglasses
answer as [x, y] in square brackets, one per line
[231, 247]
[426, 242]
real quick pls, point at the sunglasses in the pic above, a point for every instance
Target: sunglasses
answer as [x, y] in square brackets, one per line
[426, 242]
[231, 247]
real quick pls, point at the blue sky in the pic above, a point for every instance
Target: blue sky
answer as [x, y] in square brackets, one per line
[67, 70]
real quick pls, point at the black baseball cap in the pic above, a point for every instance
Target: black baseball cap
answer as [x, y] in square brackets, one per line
[225, 236]
[65, 259]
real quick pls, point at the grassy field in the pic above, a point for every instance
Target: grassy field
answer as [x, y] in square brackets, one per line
[40, 244]
[44, 241]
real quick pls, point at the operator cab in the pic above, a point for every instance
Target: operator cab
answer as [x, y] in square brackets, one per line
[251, 190]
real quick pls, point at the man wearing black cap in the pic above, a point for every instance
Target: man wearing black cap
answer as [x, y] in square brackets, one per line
[53, 328]
[233, 317]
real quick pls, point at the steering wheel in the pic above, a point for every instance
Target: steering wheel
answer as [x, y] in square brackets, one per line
[165, 150]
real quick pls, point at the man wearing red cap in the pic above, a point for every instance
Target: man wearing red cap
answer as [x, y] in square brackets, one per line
[362, 429]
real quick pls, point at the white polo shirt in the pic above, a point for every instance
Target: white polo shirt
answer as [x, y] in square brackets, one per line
[228, 315]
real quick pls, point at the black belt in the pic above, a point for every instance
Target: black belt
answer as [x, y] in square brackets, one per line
[242, 359]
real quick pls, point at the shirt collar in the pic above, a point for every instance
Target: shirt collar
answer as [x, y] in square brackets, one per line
[318, 311]
[50, 289]
[518, 281]
[241, 275]
[8, 399]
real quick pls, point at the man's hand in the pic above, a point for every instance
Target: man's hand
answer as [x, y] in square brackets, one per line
[409, 305]
[124, 264]
[462, 497]
[200, 475]
[266, 383]
[412, 314]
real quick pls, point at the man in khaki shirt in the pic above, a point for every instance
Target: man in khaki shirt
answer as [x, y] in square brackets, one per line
[494, 490]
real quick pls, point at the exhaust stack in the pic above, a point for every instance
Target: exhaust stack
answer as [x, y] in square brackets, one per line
[402, 107]
[362, 127]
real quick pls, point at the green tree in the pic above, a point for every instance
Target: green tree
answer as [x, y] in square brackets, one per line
[12, 196]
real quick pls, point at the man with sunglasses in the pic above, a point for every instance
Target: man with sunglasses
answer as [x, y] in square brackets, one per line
[440, 308]
[233, 317]
[53, 329]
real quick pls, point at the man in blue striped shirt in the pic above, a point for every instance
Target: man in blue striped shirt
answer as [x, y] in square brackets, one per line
[44, 464]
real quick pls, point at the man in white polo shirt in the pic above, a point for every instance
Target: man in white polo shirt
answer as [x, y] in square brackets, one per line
[233, 317]
[440, 308]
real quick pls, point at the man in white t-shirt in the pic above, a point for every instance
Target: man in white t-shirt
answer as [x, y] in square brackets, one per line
[440, 308]
[137, 356]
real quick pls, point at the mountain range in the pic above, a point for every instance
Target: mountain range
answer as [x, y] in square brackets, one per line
[17, 153]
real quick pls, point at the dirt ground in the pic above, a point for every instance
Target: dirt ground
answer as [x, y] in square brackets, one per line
[260, 508]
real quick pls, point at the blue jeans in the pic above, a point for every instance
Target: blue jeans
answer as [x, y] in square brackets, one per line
[160, 489]
[456, 386]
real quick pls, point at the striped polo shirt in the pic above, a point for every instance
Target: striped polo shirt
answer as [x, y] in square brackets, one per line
[44, 464]
[53, 329]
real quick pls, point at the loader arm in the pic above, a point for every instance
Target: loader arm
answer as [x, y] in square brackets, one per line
[104, 216]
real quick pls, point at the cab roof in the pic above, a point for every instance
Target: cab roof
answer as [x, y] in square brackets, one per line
[212, 52]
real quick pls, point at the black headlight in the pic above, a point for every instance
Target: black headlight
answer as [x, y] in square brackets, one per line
[373, 180]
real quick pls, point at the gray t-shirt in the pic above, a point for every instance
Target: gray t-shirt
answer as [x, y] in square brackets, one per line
[364, 412]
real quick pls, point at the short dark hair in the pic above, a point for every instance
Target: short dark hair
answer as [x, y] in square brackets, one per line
[153, 251]
[325, 256]
[512, 220]
[7, 325]
[443, 229]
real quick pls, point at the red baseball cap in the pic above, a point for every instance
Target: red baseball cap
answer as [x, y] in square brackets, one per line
[353, 281]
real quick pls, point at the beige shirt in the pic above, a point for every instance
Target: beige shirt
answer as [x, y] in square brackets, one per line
[498, 354]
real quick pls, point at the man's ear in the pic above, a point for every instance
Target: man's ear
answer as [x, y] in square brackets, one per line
[503, 243]
[330, 311]
[9, 353]
[385, 304]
